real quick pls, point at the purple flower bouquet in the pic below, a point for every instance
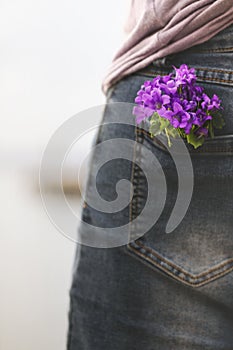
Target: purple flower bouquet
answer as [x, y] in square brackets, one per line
[177, 106]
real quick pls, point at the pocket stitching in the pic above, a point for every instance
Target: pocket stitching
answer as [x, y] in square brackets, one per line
[135, 175]
[224, 49]
[206, 150]
[177, 268]
[199, 77]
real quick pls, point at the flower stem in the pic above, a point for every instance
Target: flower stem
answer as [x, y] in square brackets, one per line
[168, 138]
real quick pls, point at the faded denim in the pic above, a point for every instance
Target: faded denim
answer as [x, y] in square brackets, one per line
[163, 291]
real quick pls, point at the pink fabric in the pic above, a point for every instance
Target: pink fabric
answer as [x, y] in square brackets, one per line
[157, 28]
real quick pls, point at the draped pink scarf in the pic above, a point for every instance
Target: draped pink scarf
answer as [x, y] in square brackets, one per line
[157, 28]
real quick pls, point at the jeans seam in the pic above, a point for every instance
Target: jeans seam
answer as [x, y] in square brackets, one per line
[135, 180]
[212, 269]
[132, 180]
[200, 151]
[199, 78]
[179, 269]
[226, 49]
[153, 73]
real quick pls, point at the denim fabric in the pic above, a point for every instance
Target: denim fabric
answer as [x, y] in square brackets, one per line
[162, 291]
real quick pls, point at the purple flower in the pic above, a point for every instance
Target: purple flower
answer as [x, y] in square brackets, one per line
[177, 99]
[185, 75]
[181, 115]
[169, 88]
[142, 113]
[189, 105]
[201, 132]
[159, 99]
[215, 102]
[201, 117]
[210, 103]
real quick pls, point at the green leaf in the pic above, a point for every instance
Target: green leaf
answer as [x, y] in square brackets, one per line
[173, 132]
[157, 124]
[160, 125]
[164, 123]
[194, 140]
[155, 127]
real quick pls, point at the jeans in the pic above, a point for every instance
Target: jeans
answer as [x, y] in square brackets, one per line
[161, 290]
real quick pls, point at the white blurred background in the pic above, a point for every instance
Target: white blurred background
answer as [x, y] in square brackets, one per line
[54, 55]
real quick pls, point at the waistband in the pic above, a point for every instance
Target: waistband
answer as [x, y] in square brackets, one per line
[212, 59]
[220, 73]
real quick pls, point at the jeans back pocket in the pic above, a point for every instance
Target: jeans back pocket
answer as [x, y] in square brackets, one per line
[200, 249]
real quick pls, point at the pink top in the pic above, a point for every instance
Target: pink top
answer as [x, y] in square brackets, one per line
[157, 28]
